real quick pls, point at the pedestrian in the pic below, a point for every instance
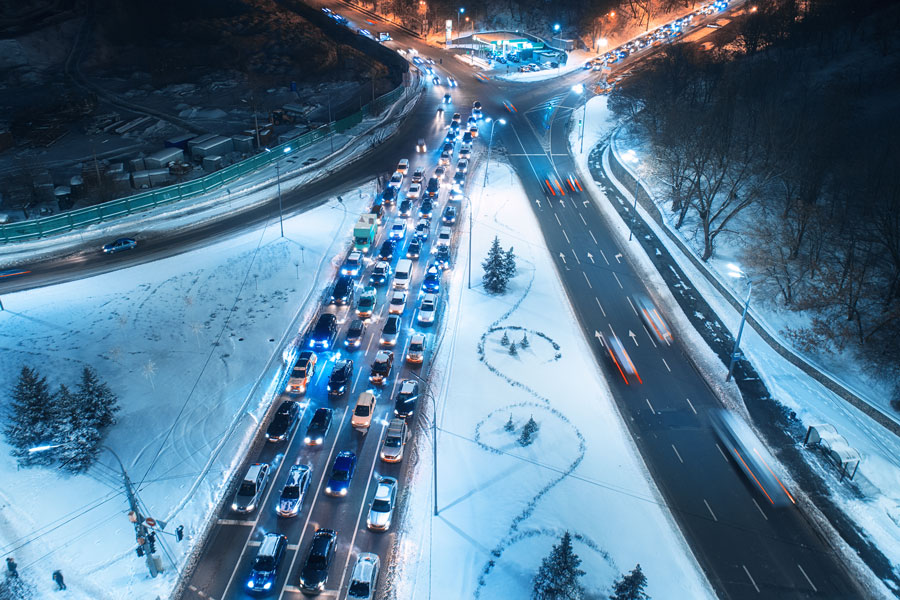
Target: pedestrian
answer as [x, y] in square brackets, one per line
[58, 579]
[11, 567]
[441, 61]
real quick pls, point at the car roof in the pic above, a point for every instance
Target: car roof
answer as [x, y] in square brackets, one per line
[321, 413]
[253, 471]
[326, 317]
[408, 386]
[417, 337]
[383, 490]
[383, 354]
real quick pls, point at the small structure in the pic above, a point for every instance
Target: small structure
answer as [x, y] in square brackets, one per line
[243, 143]
[212, 163]
[217, 145]
[835, 447]
[180, 141]
[162, 158]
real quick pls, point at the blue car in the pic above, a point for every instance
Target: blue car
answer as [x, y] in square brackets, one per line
[265, 566]
[341, 474]
[432, 281]
[119, 245]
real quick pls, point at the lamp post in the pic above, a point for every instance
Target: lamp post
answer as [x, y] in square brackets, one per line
[428, 394]
[487, 166]
[459, 12]
[737, 273]
[284, 150]
[579, 89]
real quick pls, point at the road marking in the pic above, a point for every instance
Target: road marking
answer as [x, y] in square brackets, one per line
[293, 546]
[600, 305]
[667, 365]
[538, 203]
[649, 337]
[235, 522]
[603, 255]
[721, 452]
[631, 304]
[567, 237]
[650, 405]
[557, 219]
[254, 543]
[588, 280]
[677, 454]
[562, 257]
[756, 587]
[591, 257]
[592, 236]
[619, 258]
[633, 337]
[762, 513]
[582, 219]
[713, 515]
[808, 580]
[576, 257]
[617, 281]
[691, 405]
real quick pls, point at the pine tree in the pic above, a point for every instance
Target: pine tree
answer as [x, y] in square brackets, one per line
[16, 588]
[97, 402]
[513, 351]
[631, 586]
[77, 435]
[494, 278]
[528, 432]
[31, 419]
[504, 340]
[557, 578]
[509, 264]
[510, 426]
[524, 343]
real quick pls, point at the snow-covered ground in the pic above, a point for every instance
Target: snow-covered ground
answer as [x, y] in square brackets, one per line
[503, 506]
[872, 500]
[192, 345]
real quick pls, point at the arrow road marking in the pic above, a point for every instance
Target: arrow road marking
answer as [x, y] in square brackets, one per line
[591, 256]
[586, 202]
[563, 257]
[562, 202]
[538, 203]
[633, 337]
[619, 258]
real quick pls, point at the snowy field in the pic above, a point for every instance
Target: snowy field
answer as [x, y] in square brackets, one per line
[872, 500]
[502, 506]
[191, 345]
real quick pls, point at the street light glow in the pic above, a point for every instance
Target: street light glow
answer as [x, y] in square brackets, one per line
[287, 149]
[556, 27]
[578, 88]
[462, 10]
[603, 42]
[502, 121]
[42, 448]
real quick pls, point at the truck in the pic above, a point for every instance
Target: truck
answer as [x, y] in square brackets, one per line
[364, 232]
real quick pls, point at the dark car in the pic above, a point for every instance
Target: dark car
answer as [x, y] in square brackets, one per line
[341, 474]
[381, 273]
[405, 208]
[467, 137]
[314, 573]
[433, 187]
[405, 403]
[340, 377]
[322, 336]
[414, 248]
[449, 215]
[389, 195]
[265, 565]
[459, 179]
[387, 250]
[355, 333]
[318, 427]
[119, 245]
[426, 209]
[442, 257]
[282, 425]
[432, 282]
[448, 147]
[342, 292]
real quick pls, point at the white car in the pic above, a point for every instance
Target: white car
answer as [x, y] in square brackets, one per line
[462, 166]
[396, 179]
[365, 408]
[415, 191]
[382, 511]
[397, 304]
[428, 309]
[403, 166]
[415, 353]
[445, 234]
[398, 230]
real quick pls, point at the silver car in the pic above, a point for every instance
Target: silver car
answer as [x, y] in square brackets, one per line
[293, 491]
[394, 441]
[382, 510]
[364, 577]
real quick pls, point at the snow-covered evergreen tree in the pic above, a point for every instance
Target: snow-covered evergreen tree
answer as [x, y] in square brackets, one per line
[513, 351]
[31, 418]
[77, 433]
[504, 340]
[16, 588]
[509, 264]
[494, 278]
[557, 578]
[510, 426]
[524, 343]
[528, 432]
[631, 586]
[97, 402]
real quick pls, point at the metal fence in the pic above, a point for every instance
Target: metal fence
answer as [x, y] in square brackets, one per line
[38, 228]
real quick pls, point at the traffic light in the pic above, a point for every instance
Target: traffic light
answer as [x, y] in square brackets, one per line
[140, 551]
[151, 539]
[179, 533]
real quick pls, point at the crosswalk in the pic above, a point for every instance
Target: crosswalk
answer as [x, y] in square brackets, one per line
[550, 103]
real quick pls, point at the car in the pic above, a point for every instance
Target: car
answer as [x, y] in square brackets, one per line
[465, 153]
[342, 291]
[425, 210]
[415, 191]
[476, 105]
[355, 333]
[405, 402]
[394, 441]
[427, 309]
[445, 235]
[318, 427]
[415, 352]
[314, 572]
[451, 82]
[386, 252]
[283, 423]
[405, 207]
[414, 248]
[448, 217]
[448, 148]
[382, 511]
[366, 304]
[465, 146]
[551, 186]
[323, 334]
[423, 226]
[340, 378]
[388, 196]
[467, 137]
[341, 474]
[432, 281]
[364, 32]
[433, 187]
[403, 166]
[654, 322]
[436, 80]
[381, 273]
[447, 99]
[459, 180]
[364, 577]
[619, 357]
[250, 492]
[353, 264]
[473, 132]
[294, 490]
[477, 113]
[418, 175]
[456, 193]
[265, 566]
[440, 173]
[453, 131]
[439, 112]
[442, 258]
[381, 366]
[573, 184]
[391, 331]
[397, 303]
[396, 179]
[363, 412]
[457, 117]
[421, 146]
[119, 245]
[302, 372]
[445, 158]
[430, 61]
[398, 231]
[471, 121]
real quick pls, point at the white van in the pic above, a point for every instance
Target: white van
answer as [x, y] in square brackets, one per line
[402, 274]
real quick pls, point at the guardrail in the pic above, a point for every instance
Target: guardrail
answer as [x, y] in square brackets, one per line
[47, 226]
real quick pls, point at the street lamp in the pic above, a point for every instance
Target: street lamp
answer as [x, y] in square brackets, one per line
[736, 272]
[284, 150]
[579, 89]
[487, 167]
[556, 27]
[459, 12]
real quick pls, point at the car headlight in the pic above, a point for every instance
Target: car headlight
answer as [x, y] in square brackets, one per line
[250, 584]
[234, 506]
[344, 492]
[250, 507]
[267, 585]
[327, 489]
[318, 440]
[306, 440]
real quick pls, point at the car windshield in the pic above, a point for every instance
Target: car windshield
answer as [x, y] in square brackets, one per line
[248, 488]
[416, 347]
[298, 372]
[366, 301]
[290, 492]
[264, 563]
[359, 589]
[381, 506]
[392, 442]
[340, 475]
[362, 410]
[391, 326]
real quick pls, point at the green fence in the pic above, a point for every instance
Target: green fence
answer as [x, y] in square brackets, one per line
[38, 228]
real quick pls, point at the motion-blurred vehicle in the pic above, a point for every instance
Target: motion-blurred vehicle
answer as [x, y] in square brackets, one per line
[656, 325]
[119, 245]
[619, 357]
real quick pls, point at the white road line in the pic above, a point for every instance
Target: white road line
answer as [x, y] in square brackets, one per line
[808, 580]
[667, 365]
[600, 305]
[691, 405]
[588, 280]
[631, 304]
[677, 454]
[576, 257]
[649, 337]
[759, 508]
[602, 253]
[254, 543]
[582, 219]
[567, 237]
[650, 405]
[722, 452]
[595, 239]
[749, 576]
[293, 546]
[617, 281]
[557, 219]
[235, 522]
[713, 514]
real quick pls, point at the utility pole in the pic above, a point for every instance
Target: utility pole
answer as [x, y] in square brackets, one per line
[470, 245]
[330, 125]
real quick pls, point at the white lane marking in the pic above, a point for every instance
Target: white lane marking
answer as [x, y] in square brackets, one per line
[808, 580]
[759, 508]
[677, 454]
[293, 546]
[592, 236]
[619, 258]
[650, 405]
[603, 254]
[712, 513]
[235, 522]
[600, 305]
[588, 280]
[557, 219]
[582, 219]
[254, 543]
[756, 587]
[691, 405]
[649, 337]
[722, 452]
[617, 281]
[631, 304]
[576, 257]
[567, 237]
[667, 365]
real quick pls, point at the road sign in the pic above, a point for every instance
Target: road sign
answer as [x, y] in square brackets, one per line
[151, 522]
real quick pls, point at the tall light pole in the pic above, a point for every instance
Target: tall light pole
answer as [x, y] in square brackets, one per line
[737, 273]
[459, 12]
[487, 166]
[428, 394]
[284, 150]
[579, 89]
